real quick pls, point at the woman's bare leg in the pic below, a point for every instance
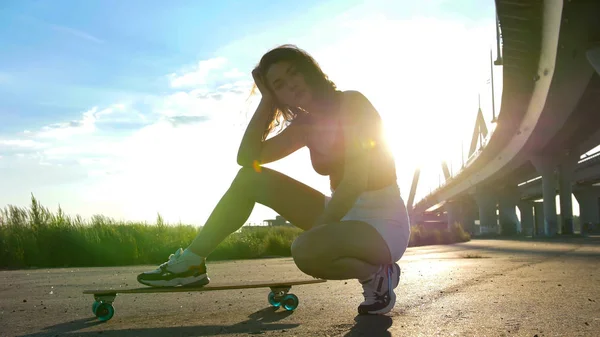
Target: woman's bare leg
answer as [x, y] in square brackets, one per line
[346, 250]
[349, 250]
[342, 250]
[295, 201]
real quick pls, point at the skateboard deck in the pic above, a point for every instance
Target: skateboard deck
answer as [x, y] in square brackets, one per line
[278, 297]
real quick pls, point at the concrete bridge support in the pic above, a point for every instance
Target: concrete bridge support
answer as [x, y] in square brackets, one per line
[415, 218]
[593, 56]
[527, 221]
[486, 201]
[470, 213]
[463, 211]
[453, 210]
[565, 183]
[589, 205]
[546, 168]
[540, 228]
[507, 203]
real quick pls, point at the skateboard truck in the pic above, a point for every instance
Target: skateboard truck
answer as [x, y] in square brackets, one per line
[102, 306]
[279, 297]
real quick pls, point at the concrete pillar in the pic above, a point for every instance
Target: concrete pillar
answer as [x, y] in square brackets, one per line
[470, 212]
[565, 184]
[507, 203]
[453, 212]
[539, 229]
[546, 166]
[462, 210]
[526, 209]
[415, 218]
[589, 208]
[593, 56]
[486, 201]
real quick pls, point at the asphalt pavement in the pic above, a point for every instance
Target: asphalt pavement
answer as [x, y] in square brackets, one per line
[479, 288]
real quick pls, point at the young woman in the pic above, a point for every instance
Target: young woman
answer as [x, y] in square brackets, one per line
[359, 232]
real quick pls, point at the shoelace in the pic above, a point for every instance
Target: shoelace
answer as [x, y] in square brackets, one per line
[175, 255]
[172, 257]
[371, 294]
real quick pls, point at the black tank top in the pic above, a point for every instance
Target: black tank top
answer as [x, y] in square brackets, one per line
[327, 154]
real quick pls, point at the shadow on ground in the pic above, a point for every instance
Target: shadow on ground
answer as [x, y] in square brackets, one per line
[550, 251]
[257, 322]
[370, 325]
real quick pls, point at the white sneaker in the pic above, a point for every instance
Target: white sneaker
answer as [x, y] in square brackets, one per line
[379, 293]
[182, 269]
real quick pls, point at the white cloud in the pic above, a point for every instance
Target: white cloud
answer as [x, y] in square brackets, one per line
[183, 145]
[199, 75]
[228, 102]
[120, 113]
[93, 146]
[22, 143]
[89, 122]
[64, 130]
[234, 73]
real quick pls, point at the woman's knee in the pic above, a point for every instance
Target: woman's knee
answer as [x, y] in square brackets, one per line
[245, 173]
[307, 256]
[244, 178]
[252, 175]
[297, 247]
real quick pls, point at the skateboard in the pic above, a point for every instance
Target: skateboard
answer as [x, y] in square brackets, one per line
[278, 297]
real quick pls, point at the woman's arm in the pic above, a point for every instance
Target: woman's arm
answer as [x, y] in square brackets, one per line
[292, 138]
[252, 143]
[253, 150]
[361, 132]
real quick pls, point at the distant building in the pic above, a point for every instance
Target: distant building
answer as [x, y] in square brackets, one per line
[278, 221]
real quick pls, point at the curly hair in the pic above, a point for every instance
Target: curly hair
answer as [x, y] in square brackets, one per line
[322, 88]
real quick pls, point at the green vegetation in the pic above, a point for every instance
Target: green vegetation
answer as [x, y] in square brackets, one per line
[421, 236]
[36, 237]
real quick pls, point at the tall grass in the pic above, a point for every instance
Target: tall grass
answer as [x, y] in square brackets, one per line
[36, 237]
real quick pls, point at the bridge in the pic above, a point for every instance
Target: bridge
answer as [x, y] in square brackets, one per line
[546, 135]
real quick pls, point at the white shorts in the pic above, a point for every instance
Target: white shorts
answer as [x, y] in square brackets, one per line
[384, 209]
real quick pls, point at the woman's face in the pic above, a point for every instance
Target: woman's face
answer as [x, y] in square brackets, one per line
[288, 84]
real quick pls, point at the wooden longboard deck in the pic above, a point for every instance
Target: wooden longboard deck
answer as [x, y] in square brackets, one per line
[208, 287]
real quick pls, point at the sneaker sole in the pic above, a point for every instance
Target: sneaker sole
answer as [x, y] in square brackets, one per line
[387, 308]
[196, 281]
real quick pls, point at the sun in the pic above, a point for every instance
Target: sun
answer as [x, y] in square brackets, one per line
[419, 142]
[424, 141]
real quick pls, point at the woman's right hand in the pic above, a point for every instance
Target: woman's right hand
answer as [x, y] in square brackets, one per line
[258, 80]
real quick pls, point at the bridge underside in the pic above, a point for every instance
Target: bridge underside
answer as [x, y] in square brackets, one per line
[568, 127]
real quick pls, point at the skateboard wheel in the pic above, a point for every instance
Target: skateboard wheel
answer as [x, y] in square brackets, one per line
[290, 302]
[104, 311]
[273, 301]
[94, 306]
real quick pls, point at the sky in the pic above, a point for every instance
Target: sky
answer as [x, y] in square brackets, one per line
[133, 108]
